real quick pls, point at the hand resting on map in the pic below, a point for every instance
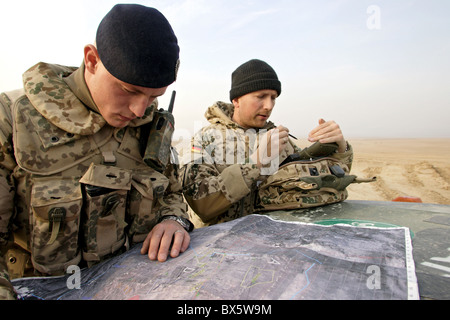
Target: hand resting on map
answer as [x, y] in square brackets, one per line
[158, 242]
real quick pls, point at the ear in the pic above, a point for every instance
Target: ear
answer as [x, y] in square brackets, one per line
[236, 103]
[235, 117]
[91, 58]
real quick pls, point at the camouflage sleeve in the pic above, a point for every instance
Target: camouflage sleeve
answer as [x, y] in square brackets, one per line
[211, 187]
[210, 192]
[7, 164]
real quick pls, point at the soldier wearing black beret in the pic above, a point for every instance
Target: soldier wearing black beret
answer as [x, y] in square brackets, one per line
[74, 188]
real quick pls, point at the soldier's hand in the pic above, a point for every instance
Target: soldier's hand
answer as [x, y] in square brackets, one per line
[271, 145]
[158, 242]
[328, 132]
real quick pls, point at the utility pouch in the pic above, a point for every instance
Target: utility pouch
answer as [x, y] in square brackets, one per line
[19, 263]
[148, 186]
[106, 189]
[56, 205]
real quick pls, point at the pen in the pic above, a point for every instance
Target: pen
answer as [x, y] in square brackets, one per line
[290, 135]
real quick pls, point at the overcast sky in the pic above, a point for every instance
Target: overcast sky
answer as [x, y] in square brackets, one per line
[379, 68]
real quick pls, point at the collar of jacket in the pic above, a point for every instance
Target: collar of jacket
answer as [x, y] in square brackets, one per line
[78, 86]
[222, 113]
[54, 99]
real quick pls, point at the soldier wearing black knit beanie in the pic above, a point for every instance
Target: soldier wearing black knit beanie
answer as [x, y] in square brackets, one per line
[240, 147]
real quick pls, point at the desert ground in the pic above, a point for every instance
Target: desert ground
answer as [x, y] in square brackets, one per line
[404, 168]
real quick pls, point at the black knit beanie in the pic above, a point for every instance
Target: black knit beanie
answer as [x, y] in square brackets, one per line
[252, 76]
[138, 46]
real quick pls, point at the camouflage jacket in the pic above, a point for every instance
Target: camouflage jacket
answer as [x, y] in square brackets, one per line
[220, 182]
[72, 188]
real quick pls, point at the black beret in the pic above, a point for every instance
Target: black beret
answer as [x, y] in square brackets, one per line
[137, 45]
[254, 75]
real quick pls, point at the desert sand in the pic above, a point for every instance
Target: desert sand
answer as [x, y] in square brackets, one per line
[404, 167]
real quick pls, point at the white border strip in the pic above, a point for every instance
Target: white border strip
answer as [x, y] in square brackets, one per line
[413, 287]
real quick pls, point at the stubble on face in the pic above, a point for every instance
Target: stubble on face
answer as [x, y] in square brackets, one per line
[253, 110]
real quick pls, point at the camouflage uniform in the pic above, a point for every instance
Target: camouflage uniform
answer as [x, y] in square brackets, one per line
[220, 190]
[79, 187]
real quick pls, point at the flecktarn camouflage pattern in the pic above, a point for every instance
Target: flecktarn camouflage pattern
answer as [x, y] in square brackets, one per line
[80, 188]
[305, 184]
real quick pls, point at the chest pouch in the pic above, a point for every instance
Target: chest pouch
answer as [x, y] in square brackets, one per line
[148, 189]
[106, 189]
[56, 205]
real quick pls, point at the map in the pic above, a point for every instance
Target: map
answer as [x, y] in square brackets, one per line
[252, 258]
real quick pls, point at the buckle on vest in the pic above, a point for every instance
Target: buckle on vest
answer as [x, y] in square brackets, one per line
[109, 159]
[55, 217]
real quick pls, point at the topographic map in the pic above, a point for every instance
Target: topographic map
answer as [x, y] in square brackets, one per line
[253, 258]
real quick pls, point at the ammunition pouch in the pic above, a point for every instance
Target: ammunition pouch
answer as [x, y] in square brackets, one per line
[106, 190]
[147, 190]
[56, 205]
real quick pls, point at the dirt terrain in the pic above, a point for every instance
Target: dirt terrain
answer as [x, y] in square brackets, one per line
[403, 167]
